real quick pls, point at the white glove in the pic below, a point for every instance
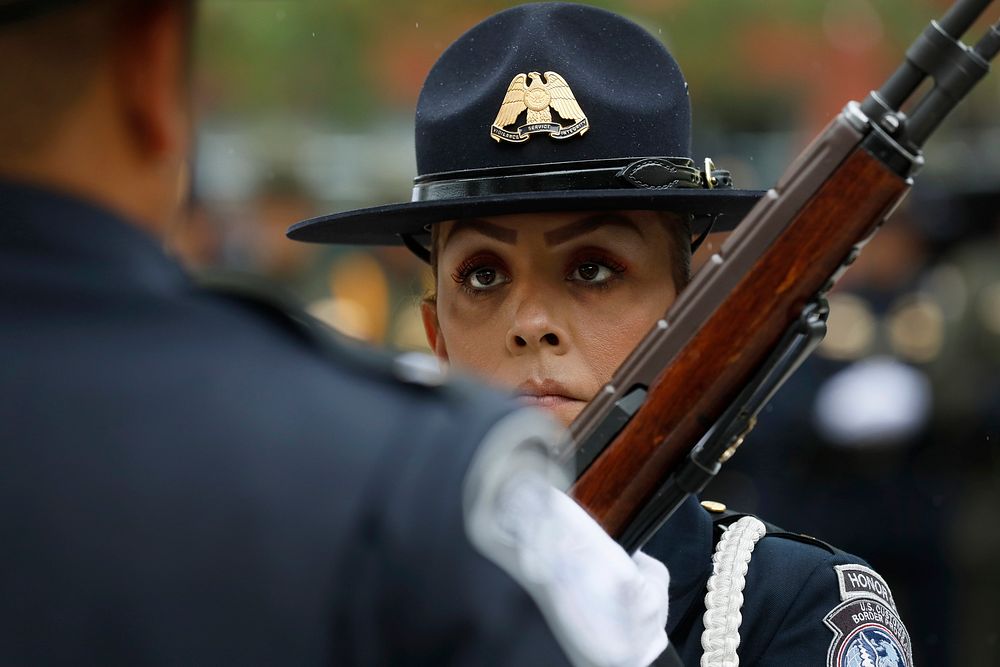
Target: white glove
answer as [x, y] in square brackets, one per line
[605, 608]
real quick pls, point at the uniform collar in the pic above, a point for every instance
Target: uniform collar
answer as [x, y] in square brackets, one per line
[47, 224]
[684, 544]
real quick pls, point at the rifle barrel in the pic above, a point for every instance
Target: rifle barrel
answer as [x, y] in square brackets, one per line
[960, 16]
[909, 75]
[989, 45]
[952, 82]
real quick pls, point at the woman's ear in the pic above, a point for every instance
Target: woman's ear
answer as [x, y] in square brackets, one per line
[432, 329]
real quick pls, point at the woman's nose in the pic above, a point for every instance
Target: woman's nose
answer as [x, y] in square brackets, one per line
[546, 339]
[535, 329]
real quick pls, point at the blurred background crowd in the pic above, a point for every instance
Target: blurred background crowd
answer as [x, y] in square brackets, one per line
[884, 443]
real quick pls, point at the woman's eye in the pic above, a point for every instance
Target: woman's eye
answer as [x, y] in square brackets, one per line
[591, 272]
[486, 278]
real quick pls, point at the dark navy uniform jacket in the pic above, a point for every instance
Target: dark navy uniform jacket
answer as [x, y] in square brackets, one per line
[792, 586]
[184, 480]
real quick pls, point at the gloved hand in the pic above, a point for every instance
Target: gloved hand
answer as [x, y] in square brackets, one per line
[613, 607]
[605, 608]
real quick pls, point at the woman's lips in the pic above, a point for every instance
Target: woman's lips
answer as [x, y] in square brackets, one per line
[545, 393]
[546, 400]
[552, 396]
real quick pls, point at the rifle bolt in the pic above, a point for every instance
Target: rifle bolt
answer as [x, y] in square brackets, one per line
[738, 440]
[728, 454]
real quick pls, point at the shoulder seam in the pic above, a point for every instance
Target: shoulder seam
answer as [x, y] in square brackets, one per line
[729, 516]
[802, 539]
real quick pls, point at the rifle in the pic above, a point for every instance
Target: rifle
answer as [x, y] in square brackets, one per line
[681, 404]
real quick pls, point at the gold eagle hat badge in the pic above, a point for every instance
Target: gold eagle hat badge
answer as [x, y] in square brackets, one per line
[537, 97]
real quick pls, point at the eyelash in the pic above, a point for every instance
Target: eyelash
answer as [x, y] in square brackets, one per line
[617, 268]
[470, 266]
[465, 269]
[477, 262]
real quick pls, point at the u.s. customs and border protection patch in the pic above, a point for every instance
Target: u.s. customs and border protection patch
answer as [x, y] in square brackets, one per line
[866, 628]
[538, 98]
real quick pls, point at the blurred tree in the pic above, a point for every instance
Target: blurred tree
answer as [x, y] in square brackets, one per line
[752, 65]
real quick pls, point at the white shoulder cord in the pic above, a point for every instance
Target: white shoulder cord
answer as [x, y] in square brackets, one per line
[725, 592]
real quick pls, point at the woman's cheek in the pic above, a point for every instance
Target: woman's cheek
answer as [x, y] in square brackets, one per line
[472, 335]
[608, 339]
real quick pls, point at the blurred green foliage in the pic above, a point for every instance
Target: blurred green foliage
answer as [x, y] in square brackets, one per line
[348, 61]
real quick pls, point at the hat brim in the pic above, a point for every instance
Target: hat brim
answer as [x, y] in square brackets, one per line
[385, 225]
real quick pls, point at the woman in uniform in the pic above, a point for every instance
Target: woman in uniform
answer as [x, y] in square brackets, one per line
[555, 203]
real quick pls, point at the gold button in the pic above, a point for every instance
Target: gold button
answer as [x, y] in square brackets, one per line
[713, 507]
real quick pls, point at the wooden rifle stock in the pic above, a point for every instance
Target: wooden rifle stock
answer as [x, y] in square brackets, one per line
[646, 440]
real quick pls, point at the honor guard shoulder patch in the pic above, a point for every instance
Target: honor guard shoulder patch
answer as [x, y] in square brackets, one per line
[539, 99]
[867, 631]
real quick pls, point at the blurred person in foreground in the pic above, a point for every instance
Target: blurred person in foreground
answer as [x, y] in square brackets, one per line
[193, 478]
[554, 202]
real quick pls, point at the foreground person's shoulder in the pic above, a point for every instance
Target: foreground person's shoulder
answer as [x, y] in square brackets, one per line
[269, 310]
[807, 602]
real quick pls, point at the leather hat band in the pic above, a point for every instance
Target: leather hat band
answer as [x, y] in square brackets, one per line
[653, 173]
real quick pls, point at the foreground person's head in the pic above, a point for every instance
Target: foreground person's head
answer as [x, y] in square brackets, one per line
[555, 198]
[96, 100]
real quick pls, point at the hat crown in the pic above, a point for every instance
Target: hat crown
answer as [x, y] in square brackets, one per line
[625, 81]
[546, 107]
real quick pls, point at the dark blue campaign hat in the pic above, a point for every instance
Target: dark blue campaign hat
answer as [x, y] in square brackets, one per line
[547, 107]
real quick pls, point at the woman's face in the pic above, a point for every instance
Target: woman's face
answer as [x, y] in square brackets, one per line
[549, 305]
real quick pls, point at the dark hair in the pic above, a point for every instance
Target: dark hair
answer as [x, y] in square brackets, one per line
[48, 60]
[679, 231]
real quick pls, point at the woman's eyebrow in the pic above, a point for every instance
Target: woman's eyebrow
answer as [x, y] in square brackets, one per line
[588, 224]
[502, 234]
